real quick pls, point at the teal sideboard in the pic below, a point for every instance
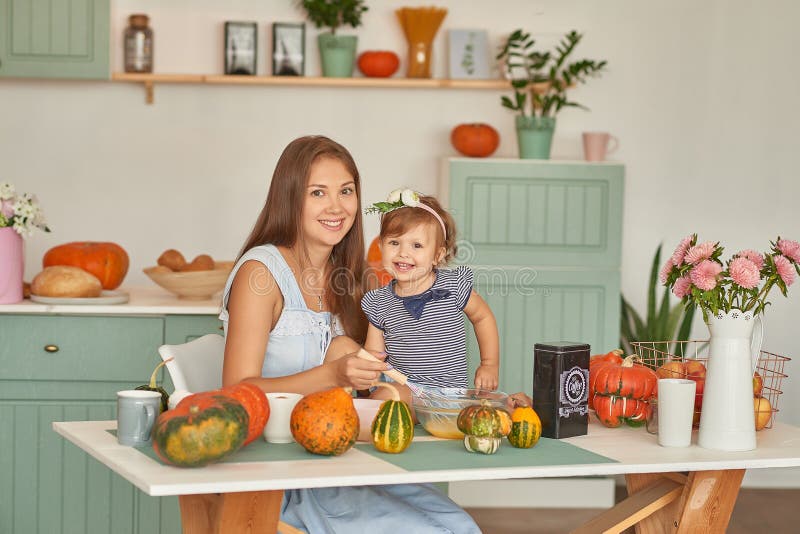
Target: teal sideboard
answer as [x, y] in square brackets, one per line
[55, 39]
[69, 368]
[544, 239]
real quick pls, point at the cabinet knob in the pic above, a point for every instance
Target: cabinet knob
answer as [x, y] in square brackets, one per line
[51, 348]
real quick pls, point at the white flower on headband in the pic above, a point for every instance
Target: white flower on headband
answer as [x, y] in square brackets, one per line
[394, 196]
[410, 198]
[399, 198]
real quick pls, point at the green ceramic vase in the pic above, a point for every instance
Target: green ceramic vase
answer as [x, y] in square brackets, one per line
[535, 136]
[337, 54]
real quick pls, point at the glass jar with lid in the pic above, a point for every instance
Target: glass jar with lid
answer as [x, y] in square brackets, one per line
[138, 45]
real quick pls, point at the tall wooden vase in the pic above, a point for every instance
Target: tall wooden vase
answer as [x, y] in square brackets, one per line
[11, 266]
[727, 422]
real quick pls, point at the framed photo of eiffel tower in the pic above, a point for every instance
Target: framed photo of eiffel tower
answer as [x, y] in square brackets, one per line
[288, 49]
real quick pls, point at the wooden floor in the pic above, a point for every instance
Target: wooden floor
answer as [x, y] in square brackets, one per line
[757, 510]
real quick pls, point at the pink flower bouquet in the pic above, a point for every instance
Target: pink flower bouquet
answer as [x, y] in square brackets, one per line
[697, 275]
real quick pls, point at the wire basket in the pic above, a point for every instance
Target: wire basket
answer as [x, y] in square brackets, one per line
[770, 368]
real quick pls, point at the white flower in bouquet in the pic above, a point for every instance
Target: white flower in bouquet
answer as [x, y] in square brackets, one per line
[20, 211]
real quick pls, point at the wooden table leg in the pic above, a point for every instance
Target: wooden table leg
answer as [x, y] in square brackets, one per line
[707, 501]
[231, 513]
[671, 503]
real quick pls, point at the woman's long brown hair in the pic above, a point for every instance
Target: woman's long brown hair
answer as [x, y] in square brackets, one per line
[280, 220]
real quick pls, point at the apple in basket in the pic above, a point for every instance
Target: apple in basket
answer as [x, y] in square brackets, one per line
[762, 410]
[695, 370]
[671, 369]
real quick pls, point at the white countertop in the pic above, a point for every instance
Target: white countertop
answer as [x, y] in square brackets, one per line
[635, 450]
[144, 300]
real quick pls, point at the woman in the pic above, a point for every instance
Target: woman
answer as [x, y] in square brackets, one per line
[296, 286]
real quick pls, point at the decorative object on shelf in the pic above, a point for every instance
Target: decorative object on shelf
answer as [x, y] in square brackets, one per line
[420, 25]
[288, 49]
[596, 145]
[476, 140]
[540, 81]
[468, 54]
[138, 41]
[20, 215]
[732, 297]
[191, 285]
[337, 52]
[378, 63]
[241, 44]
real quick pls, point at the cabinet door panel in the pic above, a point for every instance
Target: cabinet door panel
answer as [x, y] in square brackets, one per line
[537, 213]
[540, 306]
[54, 38]
[89, 348]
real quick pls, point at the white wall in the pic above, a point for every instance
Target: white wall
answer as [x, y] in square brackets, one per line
[701, 94]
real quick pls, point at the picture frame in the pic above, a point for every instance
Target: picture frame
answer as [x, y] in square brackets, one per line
[288, 49]
[241, 48]
[468, 54]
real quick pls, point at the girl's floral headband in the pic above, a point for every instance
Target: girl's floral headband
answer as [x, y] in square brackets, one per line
[404, 198]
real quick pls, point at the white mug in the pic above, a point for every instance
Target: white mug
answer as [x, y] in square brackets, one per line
[675, 411]
[281, 405]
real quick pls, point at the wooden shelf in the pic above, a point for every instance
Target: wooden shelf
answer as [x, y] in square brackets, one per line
[149, 80]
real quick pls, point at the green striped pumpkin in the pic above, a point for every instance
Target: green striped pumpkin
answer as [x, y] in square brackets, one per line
[526, 428]
[393, 427]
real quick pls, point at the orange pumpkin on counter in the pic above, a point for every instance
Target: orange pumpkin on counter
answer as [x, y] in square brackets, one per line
[476, 140]
[374, 262]
[378, 63]
[107, 261]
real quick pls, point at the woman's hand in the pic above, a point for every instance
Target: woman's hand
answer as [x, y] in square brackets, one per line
[358, 373]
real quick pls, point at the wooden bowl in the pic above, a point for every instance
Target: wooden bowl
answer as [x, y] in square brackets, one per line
[192, 285]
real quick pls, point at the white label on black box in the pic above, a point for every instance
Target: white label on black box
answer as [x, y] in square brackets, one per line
[574, 388]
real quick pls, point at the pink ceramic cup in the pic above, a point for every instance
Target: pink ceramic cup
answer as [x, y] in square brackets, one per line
[597, 144]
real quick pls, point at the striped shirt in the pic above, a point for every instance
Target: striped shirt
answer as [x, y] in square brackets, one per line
[431, 350]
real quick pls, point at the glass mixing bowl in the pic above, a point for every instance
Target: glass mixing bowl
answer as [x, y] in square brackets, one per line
[437, 409]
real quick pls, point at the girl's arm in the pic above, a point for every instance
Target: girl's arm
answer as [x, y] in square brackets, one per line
[374, 342]
[254, 306]
[482, 318]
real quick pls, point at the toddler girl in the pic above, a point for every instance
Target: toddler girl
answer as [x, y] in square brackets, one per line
[417, 318]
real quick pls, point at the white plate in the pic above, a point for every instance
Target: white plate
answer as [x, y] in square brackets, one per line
[106, 297]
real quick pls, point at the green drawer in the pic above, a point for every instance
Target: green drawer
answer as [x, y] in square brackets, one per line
[88, 348]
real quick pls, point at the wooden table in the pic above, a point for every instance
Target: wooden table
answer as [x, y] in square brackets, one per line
[670, 490]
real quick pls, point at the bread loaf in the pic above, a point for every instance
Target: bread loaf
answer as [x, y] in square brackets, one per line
[64, 281]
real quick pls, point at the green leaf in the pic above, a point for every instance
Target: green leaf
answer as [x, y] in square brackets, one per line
[651, 290]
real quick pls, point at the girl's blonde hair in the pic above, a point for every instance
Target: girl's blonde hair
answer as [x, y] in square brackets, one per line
[401, 220]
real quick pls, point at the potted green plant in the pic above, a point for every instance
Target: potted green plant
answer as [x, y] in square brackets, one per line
[337, 52]
[540, 81]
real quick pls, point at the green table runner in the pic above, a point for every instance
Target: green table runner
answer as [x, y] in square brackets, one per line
[258, 451]
[451, 454]
[424, 455]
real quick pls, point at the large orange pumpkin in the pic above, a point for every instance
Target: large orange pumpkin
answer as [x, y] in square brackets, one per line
[325, 422]
[476, 140]
[375, 265]
[107, 261]
[378, 63]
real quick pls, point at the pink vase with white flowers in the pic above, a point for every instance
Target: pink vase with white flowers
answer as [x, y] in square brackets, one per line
[11, 266]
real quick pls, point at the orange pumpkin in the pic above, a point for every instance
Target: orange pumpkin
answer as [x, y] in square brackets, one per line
[628, 379]
[325, 422]
[615, 356]
[378, 63]
[375, 265]
[476, 140]
[255, 402]
[107, 261]
[612, 410]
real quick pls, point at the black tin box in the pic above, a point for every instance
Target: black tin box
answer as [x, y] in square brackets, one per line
[561, 388]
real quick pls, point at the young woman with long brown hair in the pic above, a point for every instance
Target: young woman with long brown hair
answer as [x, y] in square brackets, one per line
[293, 296]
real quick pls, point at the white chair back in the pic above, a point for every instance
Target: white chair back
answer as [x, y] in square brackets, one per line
[196, 365]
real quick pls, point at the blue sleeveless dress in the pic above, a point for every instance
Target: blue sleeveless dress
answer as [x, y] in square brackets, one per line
[298, 342]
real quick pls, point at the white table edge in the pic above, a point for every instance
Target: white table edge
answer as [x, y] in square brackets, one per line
[77, 432]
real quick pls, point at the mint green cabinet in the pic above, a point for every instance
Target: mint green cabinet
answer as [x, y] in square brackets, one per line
[69, 368]
[54, 38]
[544, 240]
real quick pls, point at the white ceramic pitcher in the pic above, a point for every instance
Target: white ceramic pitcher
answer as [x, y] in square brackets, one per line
[726, 421]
